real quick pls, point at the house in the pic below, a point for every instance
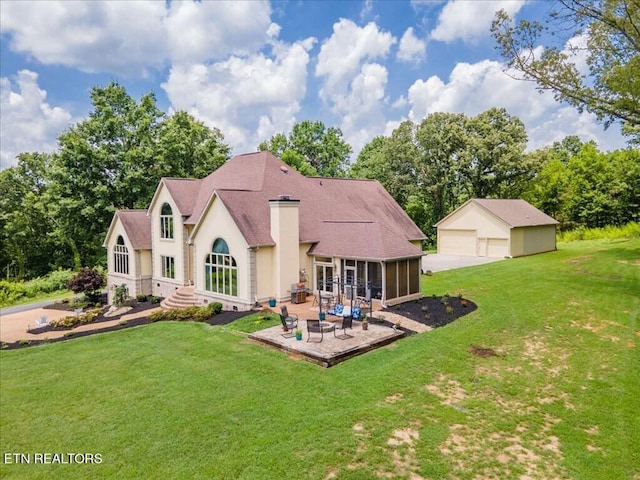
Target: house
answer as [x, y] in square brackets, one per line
[496, 228]
[255, 227]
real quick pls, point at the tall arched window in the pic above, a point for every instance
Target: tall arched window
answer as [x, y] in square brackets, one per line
[120, 257]
[166, 221]
[221, 270]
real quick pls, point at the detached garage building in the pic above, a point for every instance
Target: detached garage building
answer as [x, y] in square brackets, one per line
[496, 228]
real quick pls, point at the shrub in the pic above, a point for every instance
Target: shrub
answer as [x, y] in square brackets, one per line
[630, 230]
[142, 298]
[120, 295]
[88, 281]
[189, 314]
[215, 308]
[155, 299]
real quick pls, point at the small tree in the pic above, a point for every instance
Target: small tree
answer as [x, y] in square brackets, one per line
[121, 295]
[88, 281]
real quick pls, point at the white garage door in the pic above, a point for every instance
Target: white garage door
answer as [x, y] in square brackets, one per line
[457, 242]
[497, 247]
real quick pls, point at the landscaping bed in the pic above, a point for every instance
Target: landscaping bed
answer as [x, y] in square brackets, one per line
[434, 311]
[99, 316]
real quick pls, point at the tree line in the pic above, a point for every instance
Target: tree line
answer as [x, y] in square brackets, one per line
[55, 208]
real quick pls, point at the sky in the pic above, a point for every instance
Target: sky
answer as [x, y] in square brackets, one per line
[253, 69]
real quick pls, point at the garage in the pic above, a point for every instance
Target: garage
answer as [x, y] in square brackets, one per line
[496, 228]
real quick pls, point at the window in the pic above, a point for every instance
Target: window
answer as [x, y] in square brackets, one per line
[168, 267]
[221, 270]
[120, 257]
[166, 222]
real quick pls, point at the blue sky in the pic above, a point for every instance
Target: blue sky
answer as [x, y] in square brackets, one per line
[253, 69]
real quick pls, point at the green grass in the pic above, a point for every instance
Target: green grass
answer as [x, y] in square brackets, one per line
[41, 297]
[181, 400]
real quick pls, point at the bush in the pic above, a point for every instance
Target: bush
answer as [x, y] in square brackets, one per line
[215, 308]
[155, 299]
[142, 298]
[121, 295]
[12, 292]
[189, 314]
[630, 230]
[88, 281]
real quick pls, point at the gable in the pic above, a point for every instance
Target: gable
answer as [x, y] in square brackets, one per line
[510, 212]
[136, 226]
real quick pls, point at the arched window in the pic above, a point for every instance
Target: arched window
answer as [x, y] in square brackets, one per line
[166, 221]
[221, 270]
[120, 257]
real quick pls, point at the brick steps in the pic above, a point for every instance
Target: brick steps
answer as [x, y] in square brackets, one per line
[181, 298]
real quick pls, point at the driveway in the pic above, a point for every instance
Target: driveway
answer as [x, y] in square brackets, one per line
[437, 262]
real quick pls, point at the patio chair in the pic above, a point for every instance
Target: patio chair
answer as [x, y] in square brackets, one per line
[290, 320]
[313, 326]
[347, 322]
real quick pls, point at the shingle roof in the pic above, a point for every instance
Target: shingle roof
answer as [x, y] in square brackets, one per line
[137, 225]
[181, 190]
[515, 212]
[341, 217]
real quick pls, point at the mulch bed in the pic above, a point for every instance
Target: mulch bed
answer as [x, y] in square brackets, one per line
[222, 318]
[432, 311]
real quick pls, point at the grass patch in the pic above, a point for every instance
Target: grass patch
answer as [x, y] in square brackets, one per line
[187, 400]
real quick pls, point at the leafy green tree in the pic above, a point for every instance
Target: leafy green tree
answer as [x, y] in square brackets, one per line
[443, 140]
[493, 163]
[433, 167]
[27, 246]
[321, 148]
[588, 188]
[115, 159]
[188, 148]
[611, 89]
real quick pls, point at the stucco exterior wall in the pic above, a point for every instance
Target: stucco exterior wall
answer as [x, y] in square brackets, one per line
[285, 234]
[218, 223]
[174, 247]
[264, 264]
[475, 232]
[531, 240]
[138, 281]
[473, 217]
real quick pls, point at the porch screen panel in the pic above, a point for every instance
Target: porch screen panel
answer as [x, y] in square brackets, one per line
[374, 275]
[414, 275]
[403, 280]
[391, 280]
[361, 277]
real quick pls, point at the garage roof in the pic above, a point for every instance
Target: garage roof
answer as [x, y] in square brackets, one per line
[513, 212]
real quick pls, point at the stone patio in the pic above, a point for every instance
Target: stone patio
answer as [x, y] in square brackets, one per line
[331, 350]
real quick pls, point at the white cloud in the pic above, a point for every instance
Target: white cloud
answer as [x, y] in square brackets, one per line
[132, 37]
[28, 123]
[213, 30]
[474, 88]
[248, 98]
[411, 49]
[342, 55]
[353, 83]
[470, 20]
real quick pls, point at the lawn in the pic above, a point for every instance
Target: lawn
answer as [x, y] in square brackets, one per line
[182, 400]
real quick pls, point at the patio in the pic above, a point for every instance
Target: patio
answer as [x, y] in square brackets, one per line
[331, 350]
